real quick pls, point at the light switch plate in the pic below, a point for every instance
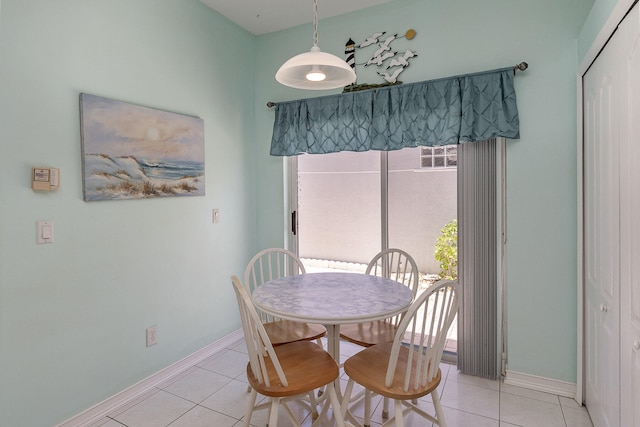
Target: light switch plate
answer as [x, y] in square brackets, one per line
[45, 232]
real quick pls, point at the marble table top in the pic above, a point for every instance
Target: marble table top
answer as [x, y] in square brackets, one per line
[332, 298]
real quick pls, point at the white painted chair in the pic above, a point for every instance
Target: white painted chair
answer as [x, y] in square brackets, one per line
[272, 264]
[408, 367]
[287, 372]
[393, 264]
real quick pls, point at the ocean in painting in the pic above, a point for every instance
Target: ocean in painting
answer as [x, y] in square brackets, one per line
[176, 169]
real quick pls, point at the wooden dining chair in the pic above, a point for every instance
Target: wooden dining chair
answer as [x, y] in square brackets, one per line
[272, 264]
[285, 372]
[393, 264]
[408, 367]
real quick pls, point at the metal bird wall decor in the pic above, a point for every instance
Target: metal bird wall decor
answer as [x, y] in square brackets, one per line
[390, 63]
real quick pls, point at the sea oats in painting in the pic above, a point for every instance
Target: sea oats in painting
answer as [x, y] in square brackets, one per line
[133, 152]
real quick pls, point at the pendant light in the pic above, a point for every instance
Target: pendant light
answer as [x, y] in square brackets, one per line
[315, 70]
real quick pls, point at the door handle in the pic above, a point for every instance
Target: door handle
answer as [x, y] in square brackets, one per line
[636, 345]
[604, 308]
[294, 222]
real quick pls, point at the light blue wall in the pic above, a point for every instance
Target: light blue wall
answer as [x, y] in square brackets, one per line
[593, 24]
[457, 37]
[73, 313]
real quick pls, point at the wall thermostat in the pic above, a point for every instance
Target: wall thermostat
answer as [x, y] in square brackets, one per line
[45, 179]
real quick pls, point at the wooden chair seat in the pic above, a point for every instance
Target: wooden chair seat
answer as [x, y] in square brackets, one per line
[369, 369]
[286, 331]
[307, 365]
[369, 333]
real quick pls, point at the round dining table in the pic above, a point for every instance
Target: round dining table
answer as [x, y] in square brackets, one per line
[332, 299]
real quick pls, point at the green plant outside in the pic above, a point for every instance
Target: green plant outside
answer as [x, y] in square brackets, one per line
[447, 251]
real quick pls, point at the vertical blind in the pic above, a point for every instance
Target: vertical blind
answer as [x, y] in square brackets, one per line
[469, 108]
[478, 259]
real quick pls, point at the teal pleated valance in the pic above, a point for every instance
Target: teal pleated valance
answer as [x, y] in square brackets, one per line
[468, 108]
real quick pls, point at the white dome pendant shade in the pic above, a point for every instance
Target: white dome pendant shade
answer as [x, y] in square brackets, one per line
[315, 70]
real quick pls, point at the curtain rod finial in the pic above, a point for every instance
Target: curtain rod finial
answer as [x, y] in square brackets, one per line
[522, 66]
[271, 104]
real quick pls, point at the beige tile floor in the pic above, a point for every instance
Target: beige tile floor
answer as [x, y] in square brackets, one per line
[214, 394]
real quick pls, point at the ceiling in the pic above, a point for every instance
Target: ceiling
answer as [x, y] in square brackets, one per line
[266, 16]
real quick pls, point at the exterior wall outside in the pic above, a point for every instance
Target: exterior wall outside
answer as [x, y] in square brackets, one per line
[423, 203]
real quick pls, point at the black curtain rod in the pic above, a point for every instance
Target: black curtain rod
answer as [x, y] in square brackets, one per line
[518, 67]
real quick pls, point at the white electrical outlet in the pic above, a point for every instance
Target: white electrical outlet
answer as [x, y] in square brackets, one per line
[152, 335]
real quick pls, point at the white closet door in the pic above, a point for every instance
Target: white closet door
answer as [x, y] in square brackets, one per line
[630, 223]
[601, 237]
[612, 229]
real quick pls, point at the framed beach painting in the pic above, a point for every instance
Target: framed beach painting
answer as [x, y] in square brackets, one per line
[133, 152]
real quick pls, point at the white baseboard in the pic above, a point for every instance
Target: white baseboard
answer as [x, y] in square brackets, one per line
[534, 382]
[108, 405]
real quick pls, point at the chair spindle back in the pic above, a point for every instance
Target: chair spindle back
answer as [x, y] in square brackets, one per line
[270, 264]
[398, 265]
[423, 329]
